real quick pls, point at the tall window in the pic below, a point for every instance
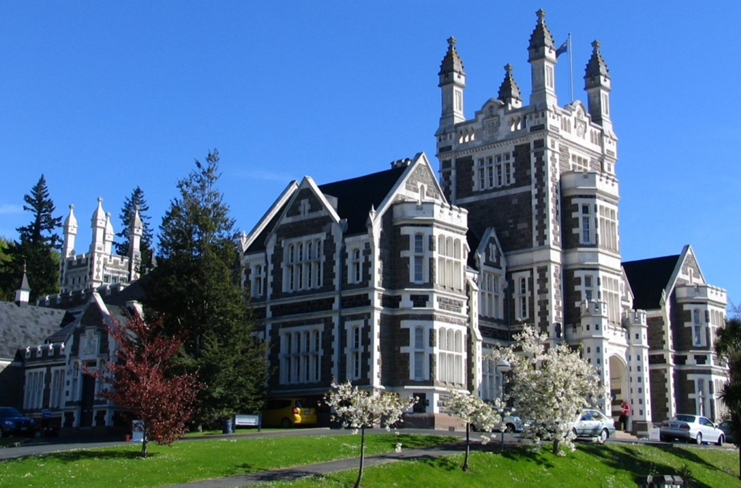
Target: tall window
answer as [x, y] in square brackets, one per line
[449, 268]
[300, 356]
[588, 287]
[356, 264]
[302, 265]
[522, 292]
[34, 389]
[586, 230]
[256, 276]
[608, 228]
[450, 356]
[419, 353]
[490, 303]
[354, 353]
[419, 258]
[612, 298]
[56, 394]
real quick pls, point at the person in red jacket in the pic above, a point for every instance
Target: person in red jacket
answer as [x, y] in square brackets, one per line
[624, 414]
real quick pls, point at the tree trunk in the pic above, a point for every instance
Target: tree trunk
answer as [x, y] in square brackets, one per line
[556, 445]
[144, 445]
[468, 446]
[362, 457]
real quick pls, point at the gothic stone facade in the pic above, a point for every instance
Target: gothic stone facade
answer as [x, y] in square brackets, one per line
[396, 281]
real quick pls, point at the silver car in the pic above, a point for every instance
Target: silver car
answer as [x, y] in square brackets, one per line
[593, 423]
[691, 428]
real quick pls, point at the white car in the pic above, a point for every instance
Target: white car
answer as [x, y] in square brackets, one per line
[593, 423]
[691, 428]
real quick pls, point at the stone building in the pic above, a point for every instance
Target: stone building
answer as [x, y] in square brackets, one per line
[395, 280]
[99, 266]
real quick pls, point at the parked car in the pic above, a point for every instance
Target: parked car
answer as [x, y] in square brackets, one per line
[510, 423]
[691, 428]
[13, 422]
[593, 423]
[725, 426]
[288, 412]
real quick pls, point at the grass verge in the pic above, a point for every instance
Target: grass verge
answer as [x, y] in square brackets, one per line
[609, 465]
[192, 460]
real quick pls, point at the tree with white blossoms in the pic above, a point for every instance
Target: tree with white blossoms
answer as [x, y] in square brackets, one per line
[361, 409]
[548, 386]
[472, 410]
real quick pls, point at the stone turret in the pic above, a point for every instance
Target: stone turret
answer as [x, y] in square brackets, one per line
[509, 92]
[452, 82]
[542, 58]
[597, 86]
[136, 230]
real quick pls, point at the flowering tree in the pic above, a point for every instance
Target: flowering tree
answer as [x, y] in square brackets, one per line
[549, 385]
[473, 411]
[361, 409]
[140, 380]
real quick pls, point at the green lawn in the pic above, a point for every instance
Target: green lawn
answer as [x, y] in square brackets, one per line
[592, 465]
[191, 460]
[609, 465]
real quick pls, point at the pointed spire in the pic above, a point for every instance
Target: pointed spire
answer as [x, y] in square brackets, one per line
[451, 62]
[99, 219]
[541, 37]
[70, 223]
[24, 290]
[596, 68]
[508, 90]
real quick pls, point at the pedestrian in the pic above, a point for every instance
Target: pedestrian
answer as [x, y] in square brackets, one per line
[624, 414]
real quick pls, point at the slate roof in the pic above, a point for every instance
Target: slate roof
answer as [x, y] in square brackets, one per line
[648, 277]
[356, 196]
[27, 325]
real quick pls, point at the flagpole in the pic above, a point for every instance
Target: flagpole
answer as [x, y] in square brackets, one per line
[571, 69]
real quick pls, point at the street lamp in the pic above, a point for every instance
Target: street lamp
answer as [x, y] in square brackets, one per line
[502, 366]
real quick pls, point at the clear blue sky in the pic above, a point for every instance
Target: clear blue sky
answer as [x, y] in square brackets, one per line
[103, 96]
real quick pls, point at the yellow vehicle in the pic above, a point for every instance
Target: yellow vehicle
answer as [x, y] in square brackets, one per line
[288, 412]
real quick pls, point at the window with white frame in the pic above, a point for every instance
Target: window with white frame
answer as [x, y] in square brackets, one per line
[488, 380]
[419, 353]
[588, 287]
[579, 163]
[495, 171]
[34, 389]
[608, 228]
[303, 264]
[256, 280]
[354, 352]
[612, 298]
[418, 246]
[450, 356]
[300, 355]
[585, 227]
[521, 296]
[490, 304]
[356, 266]
[697, 339]
[56, 392]
[449, 263]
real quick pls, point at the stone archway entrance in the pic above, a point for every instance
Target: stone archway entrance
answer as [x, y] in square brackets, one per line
[619, 387]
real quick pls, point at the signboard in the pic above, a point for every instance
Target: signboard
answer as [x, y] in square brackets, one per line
[137, 431]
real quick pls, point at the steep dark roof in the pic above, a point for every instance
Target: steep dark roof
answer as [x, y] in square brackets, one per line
[648, 277]
[356, 196]
[27, 325]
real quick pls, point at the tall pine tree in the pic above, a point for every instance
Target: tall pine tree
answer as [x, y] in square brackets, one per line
[127, 213]
[196, 290]
[36, 249]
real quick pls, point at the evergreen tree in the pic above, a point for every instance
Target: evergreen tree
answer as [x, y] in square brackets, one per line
[196, 290]
[37, 247]
[127, 212]
[5, 295]
[728, 349]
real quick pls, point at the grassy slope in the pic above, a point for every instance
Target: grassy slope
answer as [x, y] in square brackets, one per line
[614, 465]
[611, 465]
[189, 461]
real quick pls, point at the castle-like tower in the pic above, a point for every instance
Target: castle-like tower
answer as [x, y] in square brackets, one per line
[539, 185]
[99, 266]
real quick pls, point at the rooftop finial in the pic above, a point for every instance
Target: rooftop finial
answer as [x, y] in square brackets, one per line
[541, 14]
[595, 44]
[451, 41]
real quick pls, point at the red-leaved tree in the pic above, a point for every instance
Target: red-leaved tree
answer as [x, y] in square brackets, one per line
[139, 380]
